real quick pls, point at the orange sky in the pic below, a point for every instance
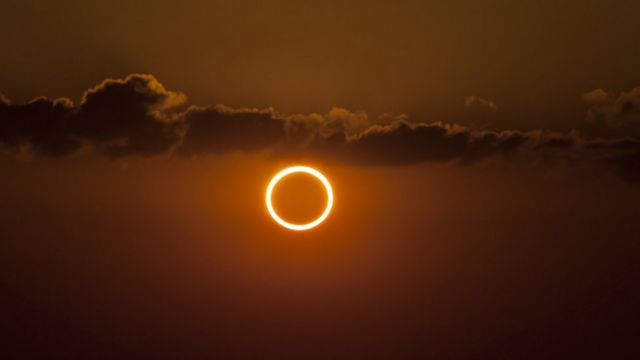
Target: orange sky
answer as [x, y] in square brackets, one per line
[484, 158]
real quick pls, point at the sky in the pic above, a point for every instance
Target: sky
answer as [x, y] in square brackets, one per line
[484, 157]
[534, 59]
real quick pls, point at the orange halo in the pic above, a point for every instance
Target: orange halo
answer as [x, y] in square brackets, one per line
[293, 170]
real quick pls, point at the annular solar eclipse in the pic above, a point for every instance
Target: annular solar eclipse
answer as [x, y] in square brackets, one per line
[293, 170]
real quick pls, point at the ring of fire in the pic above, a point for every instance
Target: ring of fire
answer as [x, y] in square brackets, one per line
[292, 170]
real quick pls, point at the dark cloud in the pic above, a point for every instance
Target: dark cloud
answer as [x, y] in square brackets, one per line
[488, 143]
[138, 116]
[42, 123]
[564, 142]
[130, 116]
[615, 144]
[613, 109]
[117, 117]
[403, 143]
[220, 129]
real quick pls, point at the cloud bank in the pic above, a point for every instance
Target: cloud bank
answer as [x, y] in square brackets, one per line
[137, 115]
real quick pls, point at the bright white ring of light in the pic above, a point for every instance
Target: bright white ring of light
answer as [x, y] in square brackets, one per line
[293, 170]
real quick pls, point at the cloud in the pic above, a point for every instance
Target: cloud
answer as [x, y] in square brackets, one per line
[220, 129]
[129, 116]
[617, 144]
[137, 115]
[42, 123]
[612, 109]
[340, 119]
[476, 101]
[404, 143]
[117, 117]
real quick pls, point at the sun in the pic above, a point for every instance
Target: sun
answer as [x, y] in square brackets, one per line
[293, 170]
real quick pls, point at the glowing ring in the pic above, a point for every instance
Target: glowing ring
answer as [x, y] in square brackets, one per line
[293, 170]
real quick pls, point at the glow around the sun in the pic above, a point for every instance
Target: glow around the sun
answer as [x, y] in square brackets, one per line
[293, 170]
